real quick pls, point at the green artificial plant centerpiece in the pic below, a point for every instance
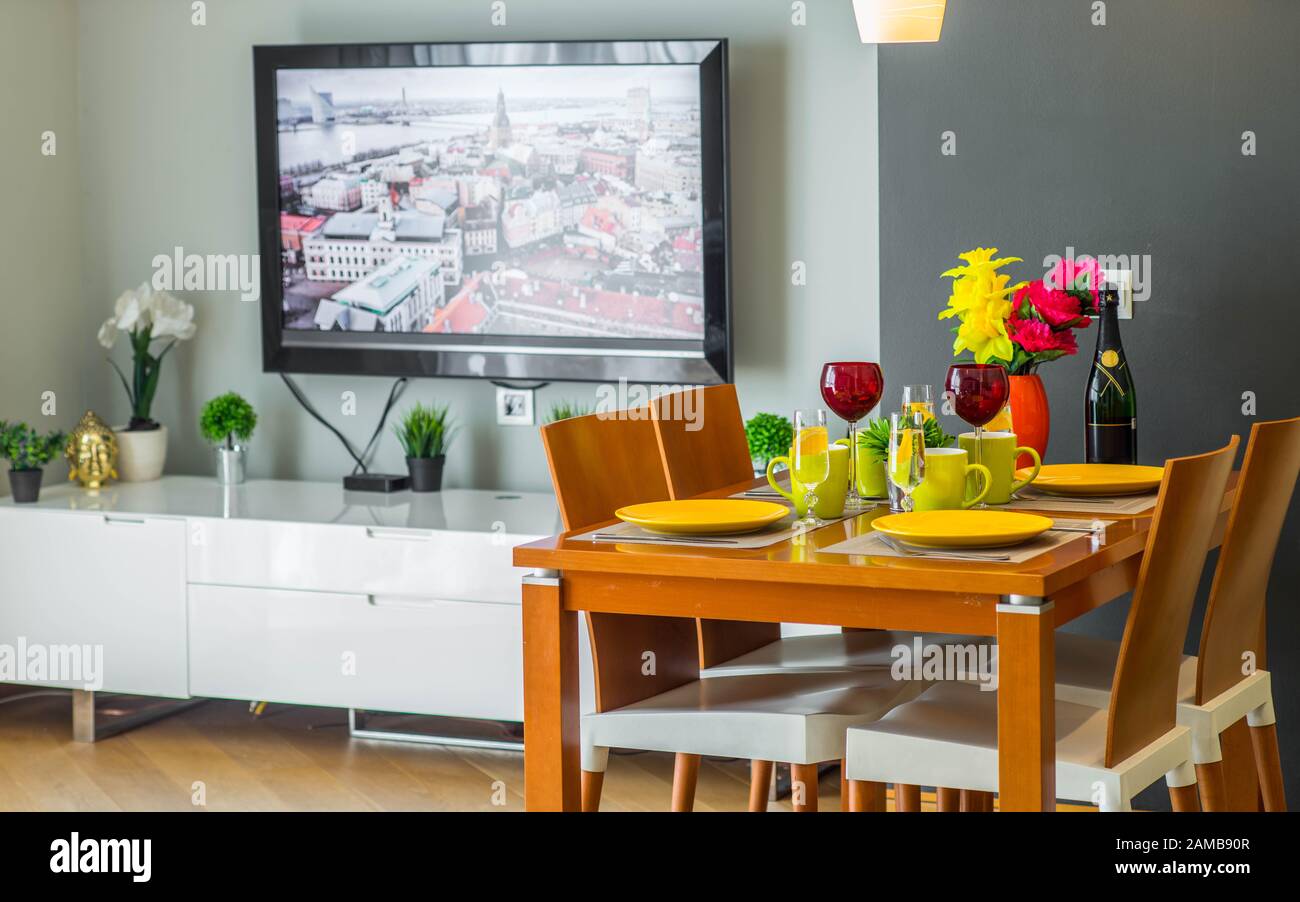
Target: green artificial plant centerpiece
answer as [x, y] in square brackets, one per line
[425, 432]
[769, 436]
[874, 438]
[226, 418]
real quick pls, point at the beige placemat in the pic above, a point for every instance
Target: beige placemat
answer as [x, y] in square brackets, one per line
[1029, 500]
[871, 544]
[780, 531]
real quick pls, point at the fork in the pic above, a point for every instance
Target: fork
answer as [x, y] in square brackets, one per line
[946, 555]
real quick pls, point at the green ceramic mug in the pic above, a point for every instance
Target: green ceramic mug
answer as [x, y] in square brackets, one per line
[998, 452]
[945, 485]
[830, 494]
[871, 475]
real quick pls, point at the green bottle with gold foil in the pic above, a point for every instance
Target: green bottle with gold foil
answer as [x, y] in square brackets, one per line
[1110, 406]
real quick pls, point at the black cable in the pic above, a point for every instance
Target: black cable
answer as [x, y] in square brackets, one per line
[396, 392]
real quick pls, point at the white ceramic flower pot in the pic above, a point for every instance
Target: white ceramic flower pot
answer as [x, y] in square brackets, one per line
[141, 456]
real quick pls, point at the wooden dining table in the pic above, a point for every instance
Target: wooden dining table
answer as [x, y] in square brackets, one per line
[796, 581]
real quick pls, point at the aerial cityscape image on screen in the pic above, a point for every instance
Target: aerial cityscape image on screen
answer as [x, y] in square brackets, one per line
[514, 201]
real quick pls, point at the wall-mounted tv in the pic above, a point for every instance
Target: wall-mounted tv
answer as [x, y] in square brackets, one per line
[552, 211]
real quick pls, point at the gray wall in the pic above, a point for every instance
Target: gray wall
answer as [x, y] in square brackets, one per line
[1122, 139]
[167, 139]
[40, 231]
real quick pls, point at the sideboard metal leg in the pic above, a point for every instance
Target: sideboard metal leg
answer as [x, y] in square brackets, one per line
[360, 727]
[124, 712]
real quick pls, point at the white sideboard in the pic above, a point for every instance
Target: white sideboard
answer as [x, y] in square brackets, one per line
[289, 592]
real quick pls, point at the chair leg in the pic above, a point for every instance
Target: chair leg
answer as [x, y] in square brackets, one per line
[1213, 786]
[1268, 763]
[803, 786]
[949, 799]
[976, 800]
[866, 796]
[1183, 798]
[760, 784]
[592, 782]
[907, 797]
[686, 770]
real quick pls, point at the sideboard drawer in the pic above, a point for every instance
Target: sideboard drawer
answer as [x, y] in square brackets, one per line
[405, 655]
[460, 566]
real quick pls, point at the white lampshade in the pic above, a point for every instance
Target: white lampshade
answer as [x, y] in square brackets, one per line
[899, 21]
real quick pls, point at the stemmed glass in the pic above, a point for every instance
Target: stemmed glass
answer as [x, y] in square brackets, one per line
[918, 398]
[907, 453]
[979, 392]
[852, 390]
[812, 460]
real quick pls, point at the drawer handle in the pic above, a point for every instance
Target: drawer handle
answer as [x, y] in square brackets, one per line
[123, 521]
[397, 535]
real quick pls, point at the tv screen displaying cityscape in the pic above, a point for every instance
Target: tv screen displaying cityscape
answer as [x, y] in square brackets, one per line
[467, 210]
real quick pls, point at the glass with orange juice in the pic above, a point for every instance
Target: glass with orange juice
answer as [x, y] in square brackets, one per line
[812, 459]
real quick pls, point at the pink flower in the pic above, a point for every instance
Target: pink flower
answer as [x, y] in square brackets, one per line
[1067, 274]
[1036, 336]
[1055, 307]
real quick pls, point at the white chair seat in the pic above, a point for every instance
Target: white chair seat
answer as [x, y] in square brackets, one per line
[797, 718]
[859, 650]
[1085, 669]
[949, 737]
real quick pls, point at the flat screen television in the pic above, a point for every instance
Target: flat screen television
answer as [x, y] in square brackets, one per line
[540, 211]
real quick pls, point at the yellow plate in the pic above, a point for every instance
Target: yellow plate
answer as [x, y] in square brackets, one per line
[963, 529]
[1096, 479]
[703, 516]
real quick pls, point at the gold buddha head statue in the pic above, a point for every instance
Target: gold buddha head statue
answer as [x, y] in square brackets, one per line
[92, 452]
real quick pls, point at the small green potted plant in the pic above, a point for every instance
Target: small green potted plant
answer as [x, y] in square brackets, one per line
[425, 433]
[769, 436]
[566, 410]
[873, 451]
[228, 421]
[27, 452]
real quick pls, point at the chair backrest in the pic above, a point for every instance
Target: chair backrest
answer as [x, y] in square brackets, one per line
[701, 436]
[600, 463]
[1144, 696]
[1234, 617]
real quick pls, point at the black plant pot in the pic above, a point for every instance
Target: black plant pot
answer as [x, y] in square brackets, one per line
[26, 485]
[426, 473]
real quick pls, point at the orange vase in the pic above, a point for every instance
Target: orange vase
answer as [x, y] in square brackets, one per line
[1030, 415]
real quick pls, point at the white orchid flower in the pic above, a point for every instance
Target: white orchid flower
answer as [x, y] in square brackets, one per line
[172, 317]
[108, 333]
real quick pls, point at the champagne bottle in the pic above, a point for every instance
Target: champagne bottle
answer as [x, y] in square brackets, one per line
[1110, 406]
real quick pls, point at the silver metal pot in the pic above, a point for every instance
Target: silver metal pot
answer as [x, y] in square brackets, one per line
[230, 465]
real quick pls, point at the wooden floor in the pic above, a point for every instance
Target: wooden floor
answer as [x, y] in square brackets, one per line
[299, 759]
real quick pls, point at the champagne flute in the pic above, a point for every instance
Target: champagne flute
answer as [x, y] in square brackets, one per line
[907, 453]
[918, 398]
[852, 390]
[812, 460]
[979, 392]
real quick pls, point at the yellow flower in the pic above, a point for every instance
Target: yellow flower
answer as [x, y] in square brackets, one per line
[980, 299]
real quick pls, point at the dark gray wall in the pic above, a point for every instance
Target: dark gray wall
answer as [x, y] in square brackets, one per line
[1119, 139]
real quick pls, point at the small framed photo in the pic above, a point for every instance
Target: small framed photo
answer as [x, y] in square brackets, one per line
[514, 406]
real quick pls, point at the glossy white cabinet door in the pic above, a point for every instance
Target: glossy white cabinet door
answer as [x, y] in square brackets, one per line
[113, 584]
[417, 656]
[458, 566]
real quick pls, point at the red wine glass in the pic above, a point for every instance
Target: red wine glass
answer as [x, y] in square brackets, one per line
[852, 390]
[979, 391]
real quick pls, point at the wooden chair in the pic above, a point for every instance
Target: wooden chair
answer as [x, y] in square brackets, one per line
[1227, 680]
[948, 737]
[599, 463]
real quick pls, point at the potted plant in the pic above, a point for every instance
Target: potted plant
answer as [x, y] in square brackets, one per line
[873, 451]
[566, 410]
[27, 452]
[1021, 327]
[425, 433]
[145, 316]
[769, 436]
[227, 421]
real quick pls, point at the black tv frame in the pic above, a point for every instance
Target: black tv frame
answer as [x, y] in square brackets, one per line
[680, 362]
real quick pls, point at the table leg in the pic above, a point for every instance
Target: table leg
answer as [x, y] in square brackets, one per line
[1026, 704]
[552, 780]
